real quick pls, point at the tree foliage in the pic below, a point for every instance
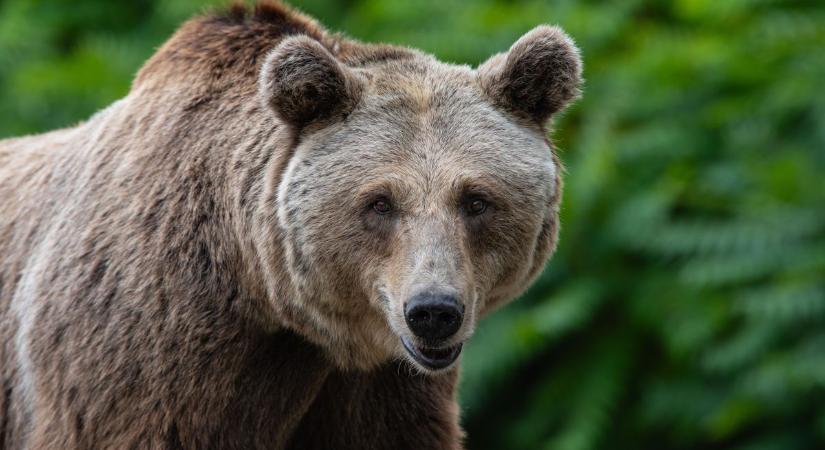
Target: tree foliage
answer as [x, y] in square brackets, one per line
[685, 306]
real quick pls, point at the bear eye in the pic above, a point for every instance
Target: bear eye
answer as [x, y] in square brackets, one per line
[382, 206]
[476, 207]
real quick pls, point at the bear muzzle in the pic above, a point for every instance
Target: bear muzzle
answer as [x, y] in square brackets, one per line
[433, 318]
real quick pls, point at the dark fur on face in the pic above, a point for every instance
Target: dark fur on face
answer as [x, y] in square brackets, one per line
[198, 265]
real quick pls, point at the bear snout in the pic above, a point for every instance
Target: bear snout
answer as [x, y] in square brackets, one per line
[434, 317]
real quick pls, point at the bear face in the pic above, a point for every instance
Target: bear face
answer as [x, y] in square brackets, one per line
[419, 195]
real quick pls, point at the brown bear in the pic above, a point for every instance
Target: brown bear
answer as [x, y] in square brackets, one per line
[280, 238]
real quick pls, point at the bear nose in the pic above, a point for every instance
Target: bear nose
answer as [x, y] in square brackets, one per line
[434, 317]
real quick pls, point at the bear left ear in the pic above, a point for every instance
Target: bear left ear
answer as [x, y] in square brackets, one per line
[538, 77]
[304, 83]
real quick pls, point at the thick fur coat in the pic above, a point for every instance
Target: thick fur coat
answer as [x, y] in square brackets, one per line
[200, 265]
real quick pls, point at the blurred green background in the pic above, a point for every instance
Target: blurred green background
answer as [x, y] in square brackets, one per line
[685, 306]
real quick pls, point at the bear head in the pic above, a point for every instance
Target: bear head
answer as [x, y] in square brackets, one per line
[418, 195]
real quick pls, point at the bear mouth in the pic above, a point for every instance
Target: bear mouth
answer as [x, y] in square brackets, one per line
[433, 358]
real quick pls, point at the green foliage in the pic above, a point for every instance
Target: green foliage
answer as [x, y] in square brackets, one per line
[685, 306]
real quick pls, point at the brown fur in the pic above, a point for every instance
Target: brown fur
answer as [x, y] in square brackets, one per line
[193, 267]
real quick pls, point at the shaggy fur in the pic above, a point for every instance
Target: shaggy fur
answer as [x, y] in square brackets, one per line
[199, 265]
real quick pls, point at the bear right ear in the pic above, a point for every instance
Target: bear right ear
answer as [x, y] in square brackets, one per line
[304, 83]
[538, 77]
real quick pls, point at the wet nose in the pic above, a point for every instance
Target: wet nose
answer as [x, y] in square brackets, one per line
[434, 317]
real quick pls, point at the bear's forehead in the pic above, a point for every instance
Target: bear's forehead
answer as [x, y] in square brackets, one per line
[437, 108]
[424, 117]
[422, 84]
[420, 135]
